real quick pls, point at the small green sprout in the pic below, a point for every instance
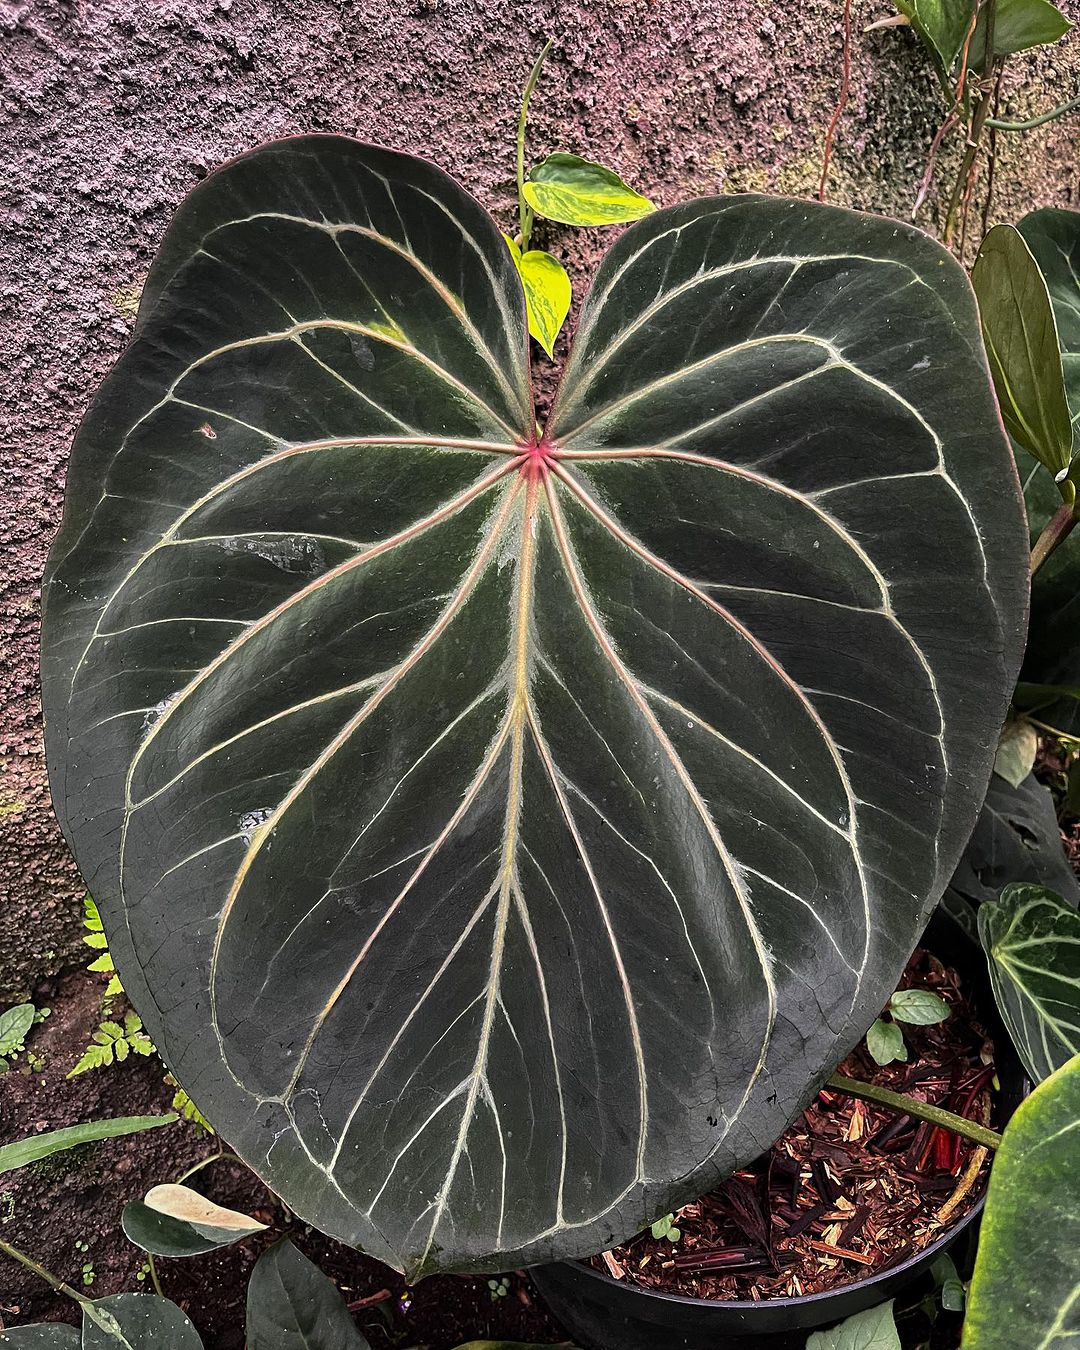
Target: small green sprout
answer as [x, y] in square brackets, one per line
[664, 1227]
[499, 1288]
[917, 1007]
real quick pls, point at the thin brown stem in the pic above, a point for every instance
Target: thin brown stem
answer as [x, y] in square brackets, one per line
[841, 104]
[964, 178]
[934, 1115]
[1056, 531]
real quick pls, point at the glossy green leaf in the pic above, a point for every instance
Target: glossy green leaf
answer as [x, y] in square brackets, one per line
[942, 25]
[874, 1329]
[40, 1336]
[576, 191]
[1027, 1272]
[1016, 838]
[885, 1042]
[1018, 26]
[136, 1322]
[950, 1286]
[499, 833]
[1022, 343]
[176, 1221]
[25, 1151]
[292, 1305]
[1032, 940]
[547, 293]
[1053, 236]
[918, 1007]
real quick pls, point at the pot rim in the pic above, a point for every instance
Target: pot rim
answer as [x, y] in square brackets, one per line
[800, 1300]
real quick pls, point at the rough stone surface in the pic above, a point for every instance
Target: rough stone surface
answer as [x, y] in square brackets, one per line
[111, 110]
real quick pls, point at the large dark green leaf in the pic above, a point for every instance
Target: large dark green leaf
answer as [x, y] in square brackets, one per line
[1016, 838]
[292, 1305]
[136, 1322]
[1032, 942]
[503, 837]
[1026, 1286]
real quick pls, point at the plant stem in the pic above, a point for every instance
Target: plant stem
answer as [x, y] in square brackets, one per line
[214, 1157]
[525, 215]
[42, 1273]
[153, 1274]
[1033, 122]
[1056, 531]
[978, 120]
[935, 1115]
[841, 104]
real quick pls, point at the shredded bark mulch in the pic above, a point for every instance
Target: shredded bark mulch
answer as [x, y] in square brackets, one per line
[850, 1189]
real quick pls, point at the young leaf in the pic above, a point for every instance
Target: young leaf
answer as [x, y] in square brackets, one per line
[950, 1286]
[473, 697]
[1022, 345]
[885, 1042]
[547, 293]
[1017, 748]
[1054, 239]
[1027, 1271]
[136, 1322]
[1032, 940]
[174, 1220]
[919, 1007]
[183, 1104]
[874, 1329]
[14, 1025]
[25, 1151]
[575, 191]
[292, 1305]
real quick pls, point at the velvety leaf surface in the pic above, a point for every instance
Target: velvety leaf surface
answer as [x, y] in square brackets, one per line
[503, 837]
[1032, 940]
[292, 1305]
[1016, 838]
[1027, 1272]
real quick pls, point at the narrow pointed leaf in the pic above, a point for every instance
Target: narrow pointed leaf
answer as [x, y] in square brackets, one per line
[292, 1305]
[1053, 236]
[501, 836]
[176, 1221]
[25, 1151]
[1022, 342]
[1032, 940]
[1027, 1271]
[576, 191]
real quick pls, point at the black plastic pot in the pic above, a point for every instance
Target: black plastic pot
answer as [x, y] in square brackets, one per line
[606, 1314]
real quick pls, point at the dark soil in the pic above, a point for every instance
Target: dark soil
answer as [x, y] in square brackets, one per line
[850, 1189]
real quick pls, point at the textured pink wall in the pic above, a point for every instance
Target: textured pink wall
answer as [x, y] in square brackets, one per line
[110, 110]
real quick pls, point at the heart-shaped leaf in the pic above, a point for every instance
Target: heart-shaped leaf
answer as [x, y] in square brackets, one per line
[291, 1305]
[177, 1221]
[576, 191]
[547, 293]
[1032, 940]
[1022, 342]
[136, 1322]
[502, 833]
[1027, 1271]
[885, 1042]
